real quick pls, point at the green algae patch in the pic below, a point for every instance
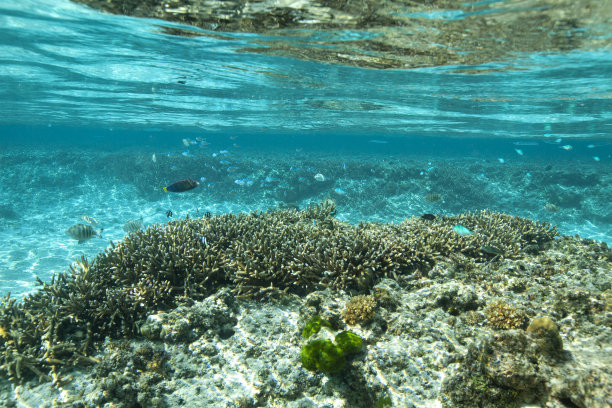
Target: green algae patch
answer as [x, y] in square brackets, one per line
[322, 355]
[349, 342]
[313, 326]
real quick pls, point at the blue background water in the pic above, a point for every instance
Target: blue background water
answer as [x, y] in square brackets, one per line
[88, 98]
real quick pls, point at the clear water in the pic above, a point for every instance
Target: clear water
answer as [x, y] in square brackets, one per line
[89, 99]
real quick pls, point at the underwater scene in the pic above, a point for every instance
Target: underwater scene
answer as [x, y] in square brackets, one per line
[306, 203]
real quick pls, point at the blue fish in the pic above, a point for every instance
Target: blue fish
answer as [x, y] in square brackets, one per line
[461, 230]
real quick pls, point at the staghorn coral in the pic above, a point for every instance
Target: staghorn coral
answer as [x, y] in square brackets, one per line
[256, 255]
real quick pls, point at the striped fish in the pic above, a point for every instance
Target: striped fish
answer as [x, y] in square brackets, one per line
[133, 225]
[90, 220]
[82, 232]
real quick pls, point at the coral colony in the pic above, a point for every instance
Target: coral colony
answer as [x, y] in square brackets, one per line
[353, 292]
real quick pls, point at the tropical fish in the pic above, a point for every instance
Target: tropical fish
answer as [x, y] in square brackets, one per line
[491, 250]
[428, 217]
[180, 186]
[567, 147]
[133, 225]
[433, 197]
[461, 230]
[550, 207]
[82, 232]
[90, 220]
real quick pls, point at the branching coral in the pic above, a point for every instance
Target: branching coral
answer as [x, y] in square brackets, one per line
[259, 254]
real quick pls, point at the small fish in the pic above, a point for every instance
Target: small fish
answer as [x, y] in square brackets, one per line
[339, 191]
[186, 153]
[525, 143]
[567, 147]
[154, 158]
[319, 177]
[550, 207]
[244, 182]
[377, 141]
[133, 225]
[519, 152]
[596, 158]
[186, 142]
[428, 217]
[89, 220]
[500, 159]
[82, 232]
[433, 197]
[461, 230]
[180, 186]
[491, 250]
[169, 213]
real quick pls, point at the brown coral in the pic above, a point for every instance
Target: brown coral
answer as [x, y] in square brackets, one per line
[359, 309]
[504, 316]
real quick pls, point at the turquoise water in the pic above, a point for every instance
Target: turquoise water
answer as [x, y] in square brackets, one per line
[99, 112]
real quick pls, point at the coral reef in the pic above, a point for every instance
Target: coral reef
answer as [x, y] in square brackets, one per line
[220, 310]
[259, 255]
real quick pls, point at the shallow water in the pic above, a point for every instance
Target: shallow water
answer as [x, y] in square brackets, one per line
[88, 99]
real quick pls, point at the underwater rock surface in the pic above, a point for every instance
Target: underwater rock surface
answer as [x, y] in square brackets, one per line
[388, 33]
[444, 324]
